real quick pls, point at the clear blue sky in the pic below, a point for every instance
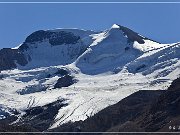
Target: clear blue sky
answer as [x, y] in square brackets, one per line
[160, 22]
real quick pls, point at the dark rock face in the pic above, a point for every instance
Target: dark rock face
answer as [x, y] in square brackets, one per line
[23, 47]
[163, 111]
[9, 58]
[163, 114]
[32, 89]
[133, 36]
[140, 67]
[1, 77]
[62, 72]
[59, 72]
[55, 38]
[175, 85]
[5, 127]
[64, 81]
[41, 117]
[6, 113]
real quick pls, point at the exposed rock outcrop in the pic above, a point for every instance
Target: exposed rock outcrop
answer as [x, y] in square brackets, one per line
[64, 81]
[62, 72]
[133, 36]
[41, 117]
[55, 38]
[10, 57]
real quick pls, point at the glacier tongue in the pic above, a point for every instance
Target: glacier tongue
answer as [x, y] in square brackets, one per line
[108, 67]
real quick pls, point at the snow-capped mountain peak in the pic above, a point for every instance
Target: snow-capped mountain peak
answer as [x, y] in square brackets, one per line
[81, 72]
[114, 26]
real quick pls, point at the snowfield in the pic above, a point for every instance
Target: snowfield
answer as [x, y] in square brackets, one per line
[107, 66]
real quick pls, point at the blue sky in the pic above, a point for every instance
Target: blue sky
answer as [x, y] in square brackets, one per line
[160, 22]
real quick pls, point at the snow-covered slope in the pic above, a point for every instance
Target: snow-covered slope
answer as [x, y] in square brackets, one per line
[54, 47]
[113, 49]
[107, 66]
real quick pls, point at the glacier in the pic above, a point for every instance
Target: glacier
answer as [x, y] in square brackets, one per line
[108, 66]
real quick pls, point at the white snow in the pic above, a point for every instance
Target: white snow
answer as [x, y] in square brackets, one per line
[148, 45]
[115, 26]
[105, 71]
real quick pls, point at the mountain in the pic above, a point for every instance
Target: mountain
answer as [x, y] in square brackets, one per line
[114, 48]
[143, 111]
[65, 46]
[67, 75]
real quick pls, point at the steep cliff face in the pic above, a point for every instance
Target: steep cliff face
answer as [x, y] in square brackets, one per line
[54, 38]
[9, 58]
[175, 85]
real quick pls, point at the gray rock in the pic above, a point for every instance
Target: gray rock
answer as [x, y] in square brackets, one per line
[9, 57]
[64, 81]
[55, 38]
[41, 117]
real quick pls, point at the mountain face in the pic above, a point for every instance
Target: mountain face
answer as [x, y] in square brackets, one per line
[46, 48]
[10, 57]
[143, 111]
[67, 75]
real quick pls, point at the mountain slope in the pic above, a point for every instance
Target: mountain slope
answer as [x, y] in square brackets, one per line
[161, 115]
[58, 47]
[46, 48]
[88, 70]
[10, 57]
[142, 111]
[113, 49]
